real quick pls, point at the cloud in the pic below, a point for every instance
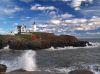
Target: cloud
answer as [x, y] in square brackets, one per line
[40, 7]
[11, 17]
[5, 0]
[3, 31]
[66, 15]
[55, 21]
[75, 3]
[90, 35]
[52, 13]
[10, 10]
[94, 11]
[26, 1]
[93, 33]
[55, 15]
[15, 24]
[27, 17]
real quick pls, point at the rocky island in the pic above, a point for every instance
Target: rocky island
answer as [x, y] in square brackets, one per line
[40, 40]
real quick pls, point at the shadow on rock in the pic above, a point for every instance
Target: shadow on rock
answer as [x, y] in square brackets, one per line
[81, 72]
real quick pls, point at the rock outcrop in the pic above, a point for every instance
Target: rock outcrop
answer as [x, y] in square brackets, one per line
[18, 70]
[2, 68]
[81, 72]
[1, 45]
[38, 40]
[34, 72]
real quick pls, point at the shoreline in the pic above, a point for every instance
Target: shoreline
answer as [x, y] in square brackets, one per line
[33, 72]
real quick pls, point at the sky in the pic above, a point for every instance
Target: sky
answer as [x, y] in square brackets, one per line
[73, 17]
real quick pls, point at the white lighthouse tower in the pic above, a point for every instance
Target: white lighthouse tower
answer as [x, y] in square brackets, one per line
[34, 28]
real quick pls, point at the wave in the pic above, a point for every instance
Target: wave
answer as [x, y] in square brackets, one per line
[94, 45]
[26, 60]
[95, 68]
[6, 48]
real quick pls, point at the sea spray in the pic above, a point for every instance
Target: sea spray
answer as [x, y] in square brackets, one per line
[5, 48]
[28, 60]
[94, 45]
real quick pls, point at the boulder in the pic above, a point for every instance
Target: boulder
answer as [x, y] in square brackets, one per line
[34, 72]
[35, 45]
[38, 44]
[18, 45]
[40, 40]
[19, 70]
[1, 45]
[2, 68]
[45, 44]
[81, 72]
[78, 44]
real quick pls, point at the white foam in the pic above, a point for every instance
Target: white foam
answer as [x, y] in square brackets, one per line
[94, 45]
[72, 68]
[28, 60]
[62, 70]
[6, 48]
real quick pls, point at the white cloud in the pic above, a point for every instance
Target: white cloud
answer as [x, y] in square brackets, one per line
[55, 21]
[26, 1]
[10, 17]
[10, 10]
[76, 3]
[15, 24]
[66, 15]
[40, 7]
[27, 17]
[53, 13]
[3, 31]
[83, 24]
[91, 33]
[5, 0]
[94, 10]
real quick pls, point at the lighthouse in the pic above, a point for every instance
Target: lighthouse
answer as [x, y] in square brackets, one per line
[34, 28]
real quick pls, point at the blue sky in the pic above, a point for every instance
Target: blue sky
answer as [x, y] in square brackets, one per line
[54, 12]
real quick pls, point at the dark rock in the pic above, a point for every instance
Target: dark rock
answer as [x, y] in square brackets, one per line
[1, 45]
[38, 44]
[81, 72]
[38, 40]
[2, 68]
[34, 72]
[35, 45]
[45, 44]
[19, 70]
[78, 44]
[18, 45]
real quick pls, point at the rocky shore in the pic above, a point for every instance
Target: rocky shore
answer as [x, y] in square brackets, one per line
[38, 40]
[3, 68]
[21, 71]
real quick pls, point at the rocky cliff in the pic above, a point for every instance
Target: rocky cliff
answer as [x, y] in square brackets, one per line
[39, 40]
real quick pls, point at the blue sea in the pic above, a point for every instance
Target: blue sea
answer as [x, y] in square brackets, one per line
[60, 60]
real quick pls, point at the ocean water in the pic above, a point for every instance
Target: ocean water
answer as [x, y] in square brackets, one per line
[61, 60]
